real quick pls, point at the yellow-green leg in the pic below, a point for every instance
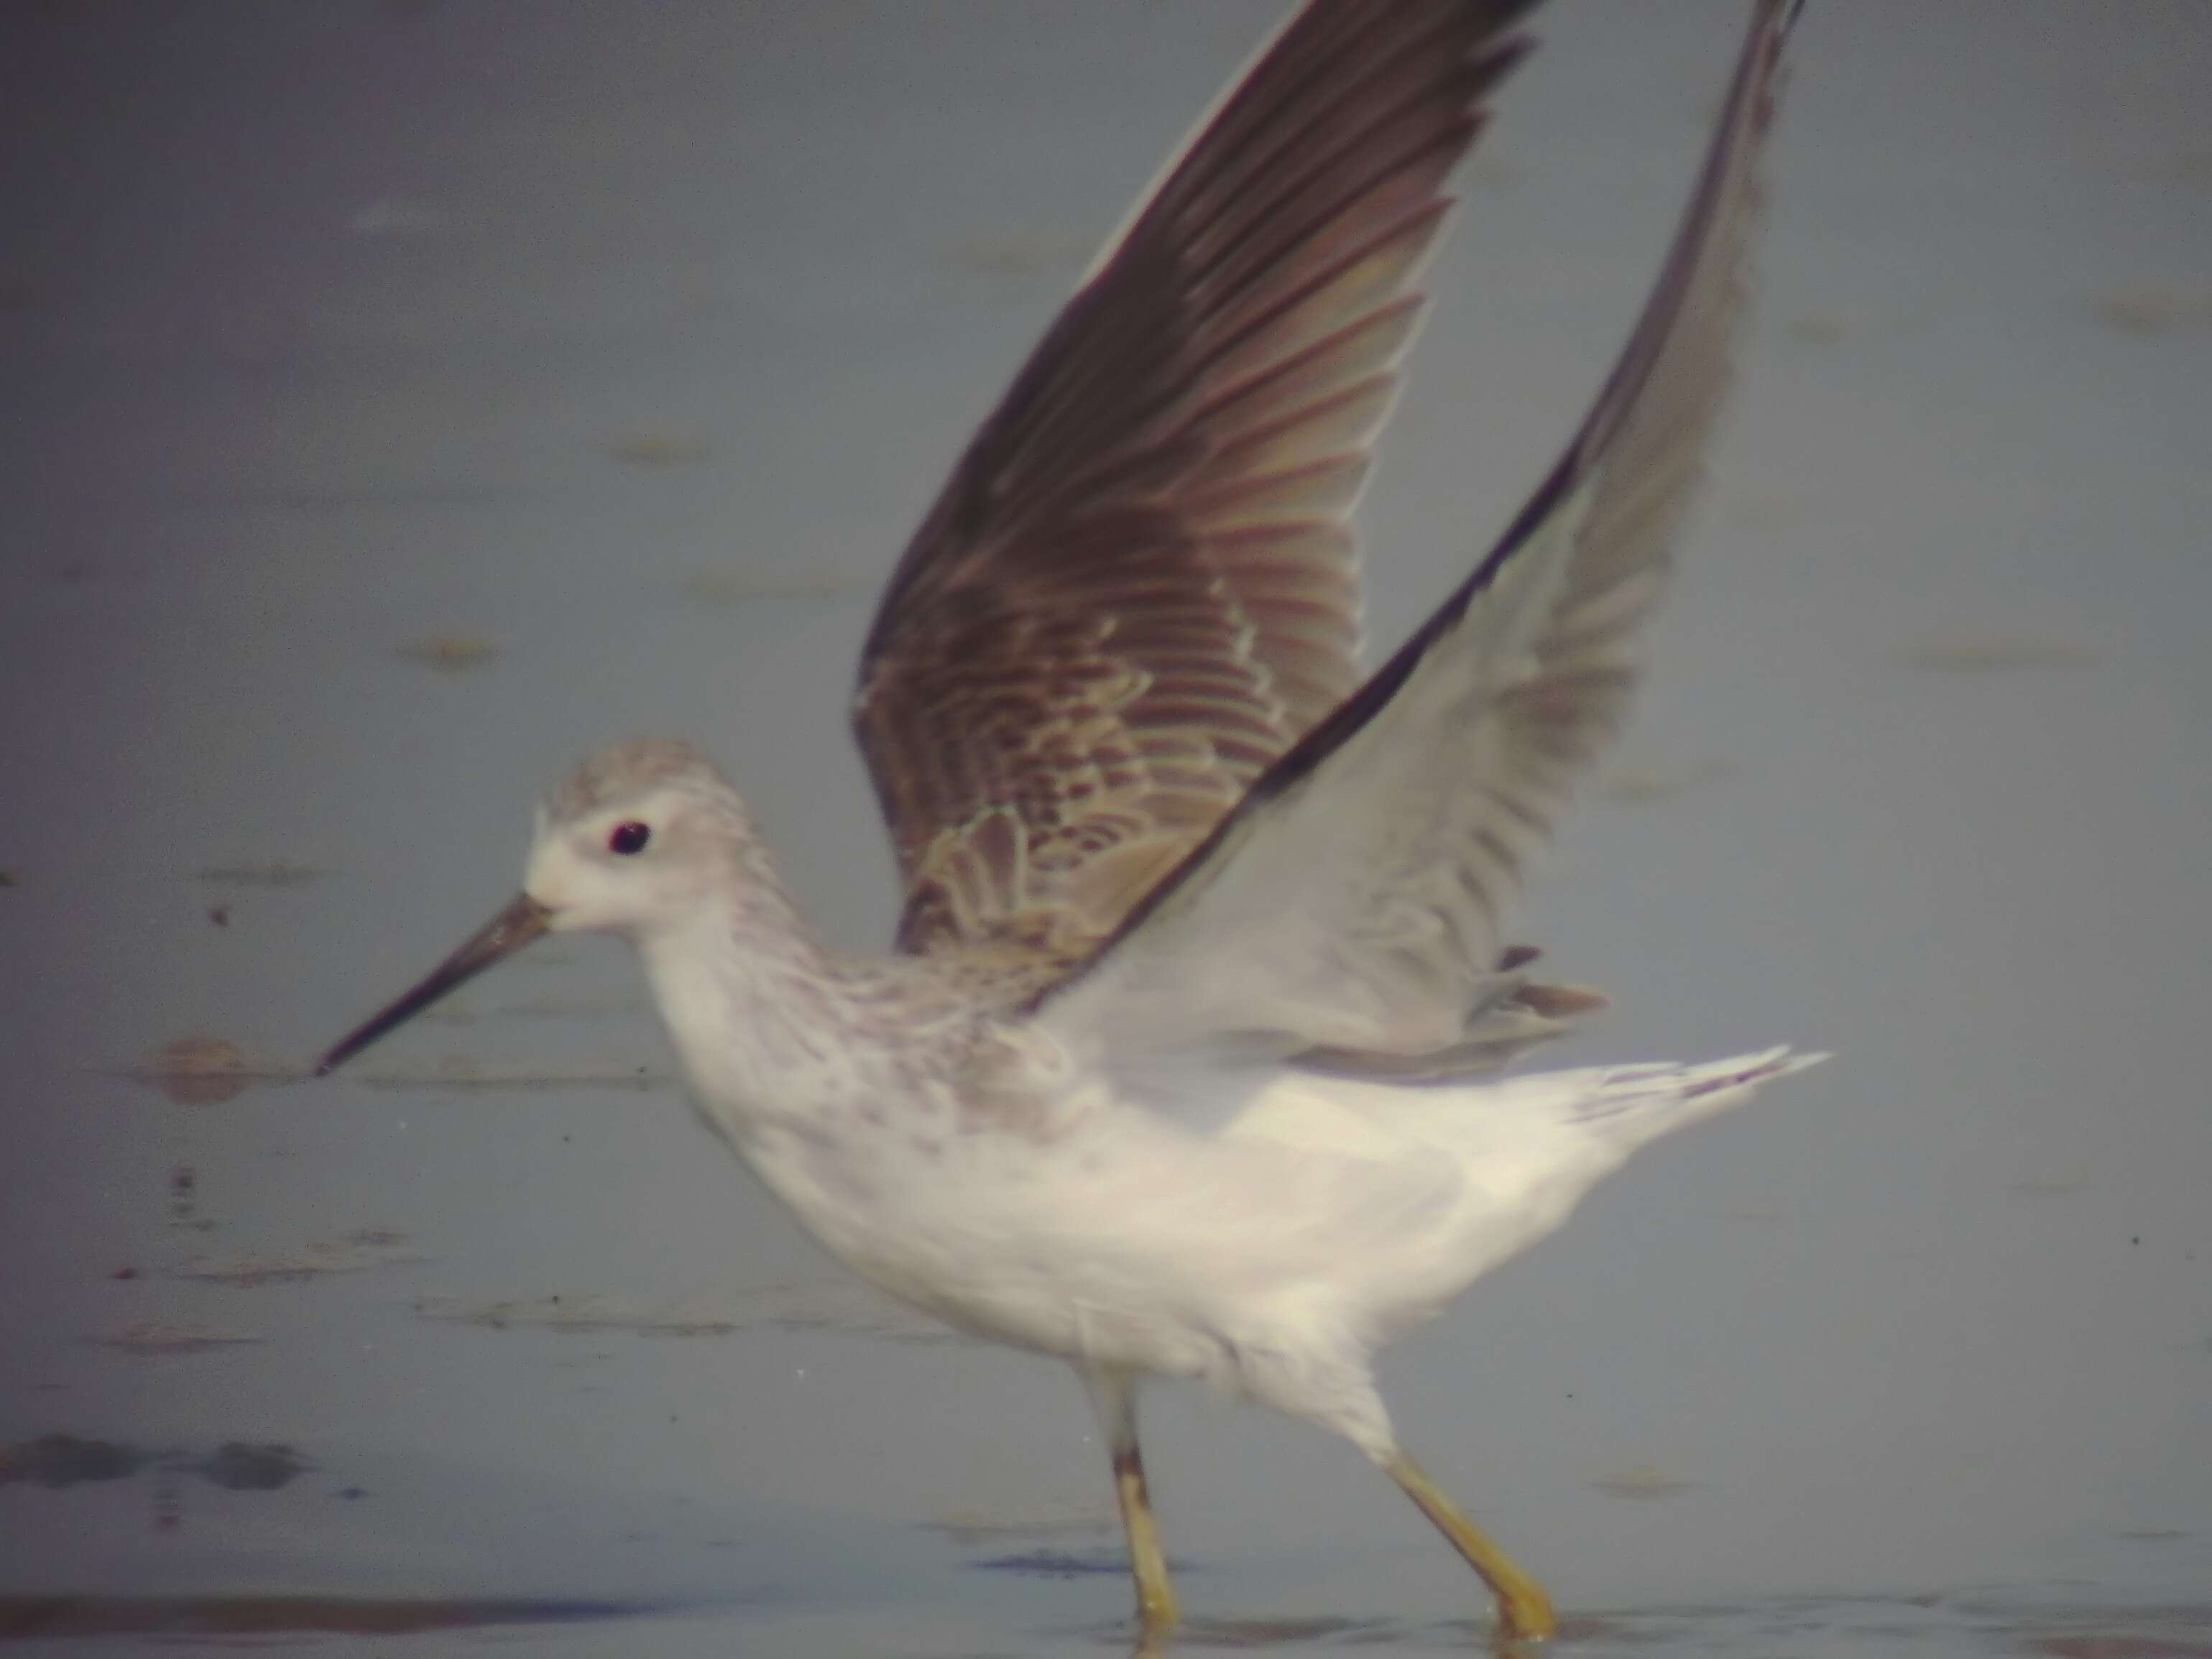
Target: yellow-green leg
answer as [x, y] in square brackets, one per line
[1113, 1395]
[1155, 1603]
[1524, 1611]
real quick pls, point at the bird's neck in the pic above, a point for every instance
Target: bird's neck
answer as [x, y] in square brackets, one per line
[764, 1017]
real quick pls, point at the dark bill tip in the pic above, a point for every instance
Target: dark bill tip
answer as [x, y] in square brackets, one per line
[521, 921]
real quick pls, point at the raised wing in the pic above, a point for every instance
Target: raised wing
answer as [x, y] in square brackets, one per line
[1351, 908]
[1139, 588]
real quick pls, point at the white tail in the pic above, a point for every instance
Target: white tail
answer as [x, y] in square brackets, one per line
[1634, 1105]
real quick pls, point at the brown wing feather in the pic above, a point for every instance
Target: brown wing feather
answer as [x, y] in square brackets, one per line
[1139, 588]
[1353, 904]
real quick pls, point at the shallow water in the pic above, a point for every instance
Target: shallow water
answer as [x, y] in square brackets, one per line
[405, 402]
[255, 1545]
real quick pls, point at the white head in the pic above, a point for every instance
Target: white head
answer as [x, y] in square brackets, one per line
[634, 838]
[640, 837]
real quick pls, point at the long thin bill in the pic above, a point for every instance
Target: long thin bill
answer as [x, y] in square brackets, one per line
[523, 920]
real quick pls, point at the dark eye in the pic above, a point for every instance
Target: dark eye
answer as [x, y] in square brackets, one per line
[628, 837]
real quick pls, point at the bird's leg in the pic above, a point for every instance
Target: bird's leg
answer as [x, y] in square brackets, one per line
[1334, 1389]
[1156, 1611]
[1524, 1611]
[1114, 1397]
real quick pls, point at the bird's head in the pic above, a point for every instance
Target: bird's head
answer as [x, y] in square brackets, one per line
[636, 840]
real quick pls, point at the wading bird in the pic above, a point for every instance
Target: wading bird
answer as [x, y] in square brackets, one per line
[1180, 1066]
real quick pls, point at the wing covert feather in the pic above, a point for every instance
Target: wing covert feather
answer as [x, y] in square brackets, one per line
[1138, 586]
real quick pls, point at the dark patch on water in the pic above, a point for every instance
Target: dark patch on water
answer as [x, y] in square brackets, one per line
[27, 1616]
[1067, 1564]
[243, 1466]
[60, 1460]
[55, 1460]
[205, 1071]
